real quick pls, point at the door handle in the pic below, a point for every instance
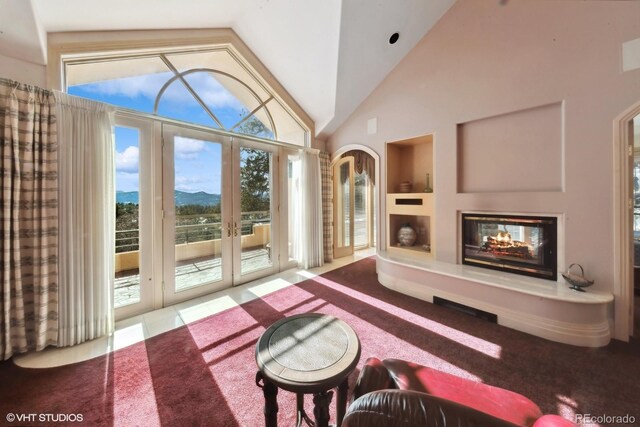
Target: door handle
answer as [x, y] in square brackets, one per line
[228, 229]
[235, 229]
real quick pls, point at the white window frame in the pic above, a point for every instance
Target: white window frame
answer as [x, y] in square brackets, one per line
[89, 46]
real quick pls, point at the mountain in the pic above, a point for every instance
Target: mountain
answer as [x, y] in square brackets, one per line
[182, 198]
[199, 198]
[127, 197]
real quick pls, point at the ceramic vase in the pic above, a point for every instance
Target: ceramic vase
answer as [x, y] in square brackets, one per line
[407, 235]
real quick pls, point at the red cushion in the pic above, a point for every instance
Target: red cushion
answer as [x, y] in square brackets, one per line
[500, 403]
[553, 421]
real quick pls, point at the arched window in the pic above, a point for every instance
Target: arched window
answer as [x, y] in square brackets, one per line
[212, 87]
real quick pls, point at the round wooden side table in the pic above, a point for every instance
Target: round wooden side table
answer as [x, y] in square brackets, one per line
[307, 354]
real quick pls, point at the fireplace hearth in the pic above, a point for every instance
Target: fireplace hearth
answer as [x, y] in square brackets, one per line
[518, 244]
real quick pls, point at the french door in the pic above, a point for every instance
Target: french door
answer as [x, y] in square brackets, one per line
[219, 227]
[196, 212]
[255, 215]
[135, 239]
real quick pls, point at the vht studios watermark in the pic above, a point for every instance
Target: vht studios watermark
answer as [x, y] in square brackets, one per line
[44, 418]
[589, 419]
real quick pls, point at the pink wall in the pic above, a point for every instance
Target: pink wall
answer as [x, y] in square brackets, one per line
[486, 59]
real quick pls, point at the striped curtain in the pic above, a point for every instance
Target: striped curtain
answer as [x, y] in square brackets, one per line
[327, 206]
[29, 221]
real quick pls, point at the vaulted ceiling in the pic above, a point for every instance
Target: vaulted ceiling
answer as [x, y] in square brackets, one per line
[328, 54]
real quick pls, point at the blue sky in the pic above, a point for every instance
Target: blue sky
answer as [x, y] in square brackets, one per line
[197, 163]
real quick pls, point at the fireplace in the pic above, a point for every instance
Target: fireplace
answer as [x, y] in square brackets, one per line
[517, 244]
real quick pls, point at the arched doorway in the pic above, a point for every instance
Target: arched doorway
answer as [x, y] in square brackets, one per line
[356, 200]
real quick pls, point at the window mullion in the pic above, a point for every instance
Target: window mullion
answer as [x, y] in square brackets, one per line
[193, 92]
[248, 116]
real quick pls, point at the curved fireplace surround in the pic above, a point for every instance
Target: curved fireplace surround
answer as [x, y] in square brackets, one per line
[524, 245]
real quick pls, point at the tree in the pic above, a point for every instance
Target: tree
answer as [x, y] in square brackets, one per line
[254, 180]
[127, 237]
[254, 172]
[126, 216]
[253, 126]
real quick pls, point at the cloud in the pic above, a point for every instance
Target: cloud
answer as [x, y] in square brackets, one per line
[214, 94]
[187, 148]
[127, 181]
[147, 85]
[127, 161]
[204, 84]
[192, 184]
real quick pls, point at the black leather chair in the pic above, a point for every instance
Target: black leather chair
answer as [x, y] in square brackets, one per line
[394, 392]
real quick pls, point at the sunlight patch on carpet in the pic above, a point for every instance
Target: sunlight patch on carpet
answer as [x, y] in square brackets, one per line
[134, 399]
[462, 338]
[295, 297]
[224, 333]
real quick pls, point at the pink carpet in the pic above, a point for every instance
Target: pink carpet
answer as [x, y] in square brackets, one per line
[203, 373]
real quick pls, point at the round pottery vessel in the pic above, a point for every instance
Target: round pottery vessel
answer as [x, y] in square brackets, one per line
[407, 235]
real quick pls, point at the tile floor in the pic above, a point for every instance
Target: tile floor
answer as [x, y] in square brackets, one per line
[138, 328]
[189, 273]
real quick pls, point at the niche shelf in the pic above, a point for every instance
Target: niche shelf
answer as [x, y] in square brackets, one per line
[410, 160]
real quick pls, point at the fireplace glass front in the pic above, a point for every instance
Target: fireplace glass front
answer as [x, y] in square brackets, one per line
[517, 244]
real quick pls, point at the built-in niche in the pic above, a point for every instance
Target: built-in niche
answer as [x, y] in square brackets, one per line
[421, 226]
[410, 196]
[409, 161]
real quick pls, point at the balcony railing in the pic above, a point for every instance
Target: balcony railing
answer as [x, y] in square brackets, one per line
[200, 230]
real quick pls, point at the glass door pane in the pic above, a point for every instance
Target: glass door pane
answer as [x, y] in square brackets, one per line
[195, 231]
[343, 207]
[255, 226]
[198, 215]
[127, 235]
[133, 291]
[294, 207]
[361, 211]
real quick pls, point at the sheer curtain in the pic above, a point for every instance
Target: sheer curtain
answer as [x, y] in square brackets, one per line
[87, 212]
[306, 211]
[29, 219]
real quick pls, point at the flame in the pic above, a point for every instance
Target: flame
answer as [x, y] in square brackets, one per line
[503, 237]
[501, 244]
